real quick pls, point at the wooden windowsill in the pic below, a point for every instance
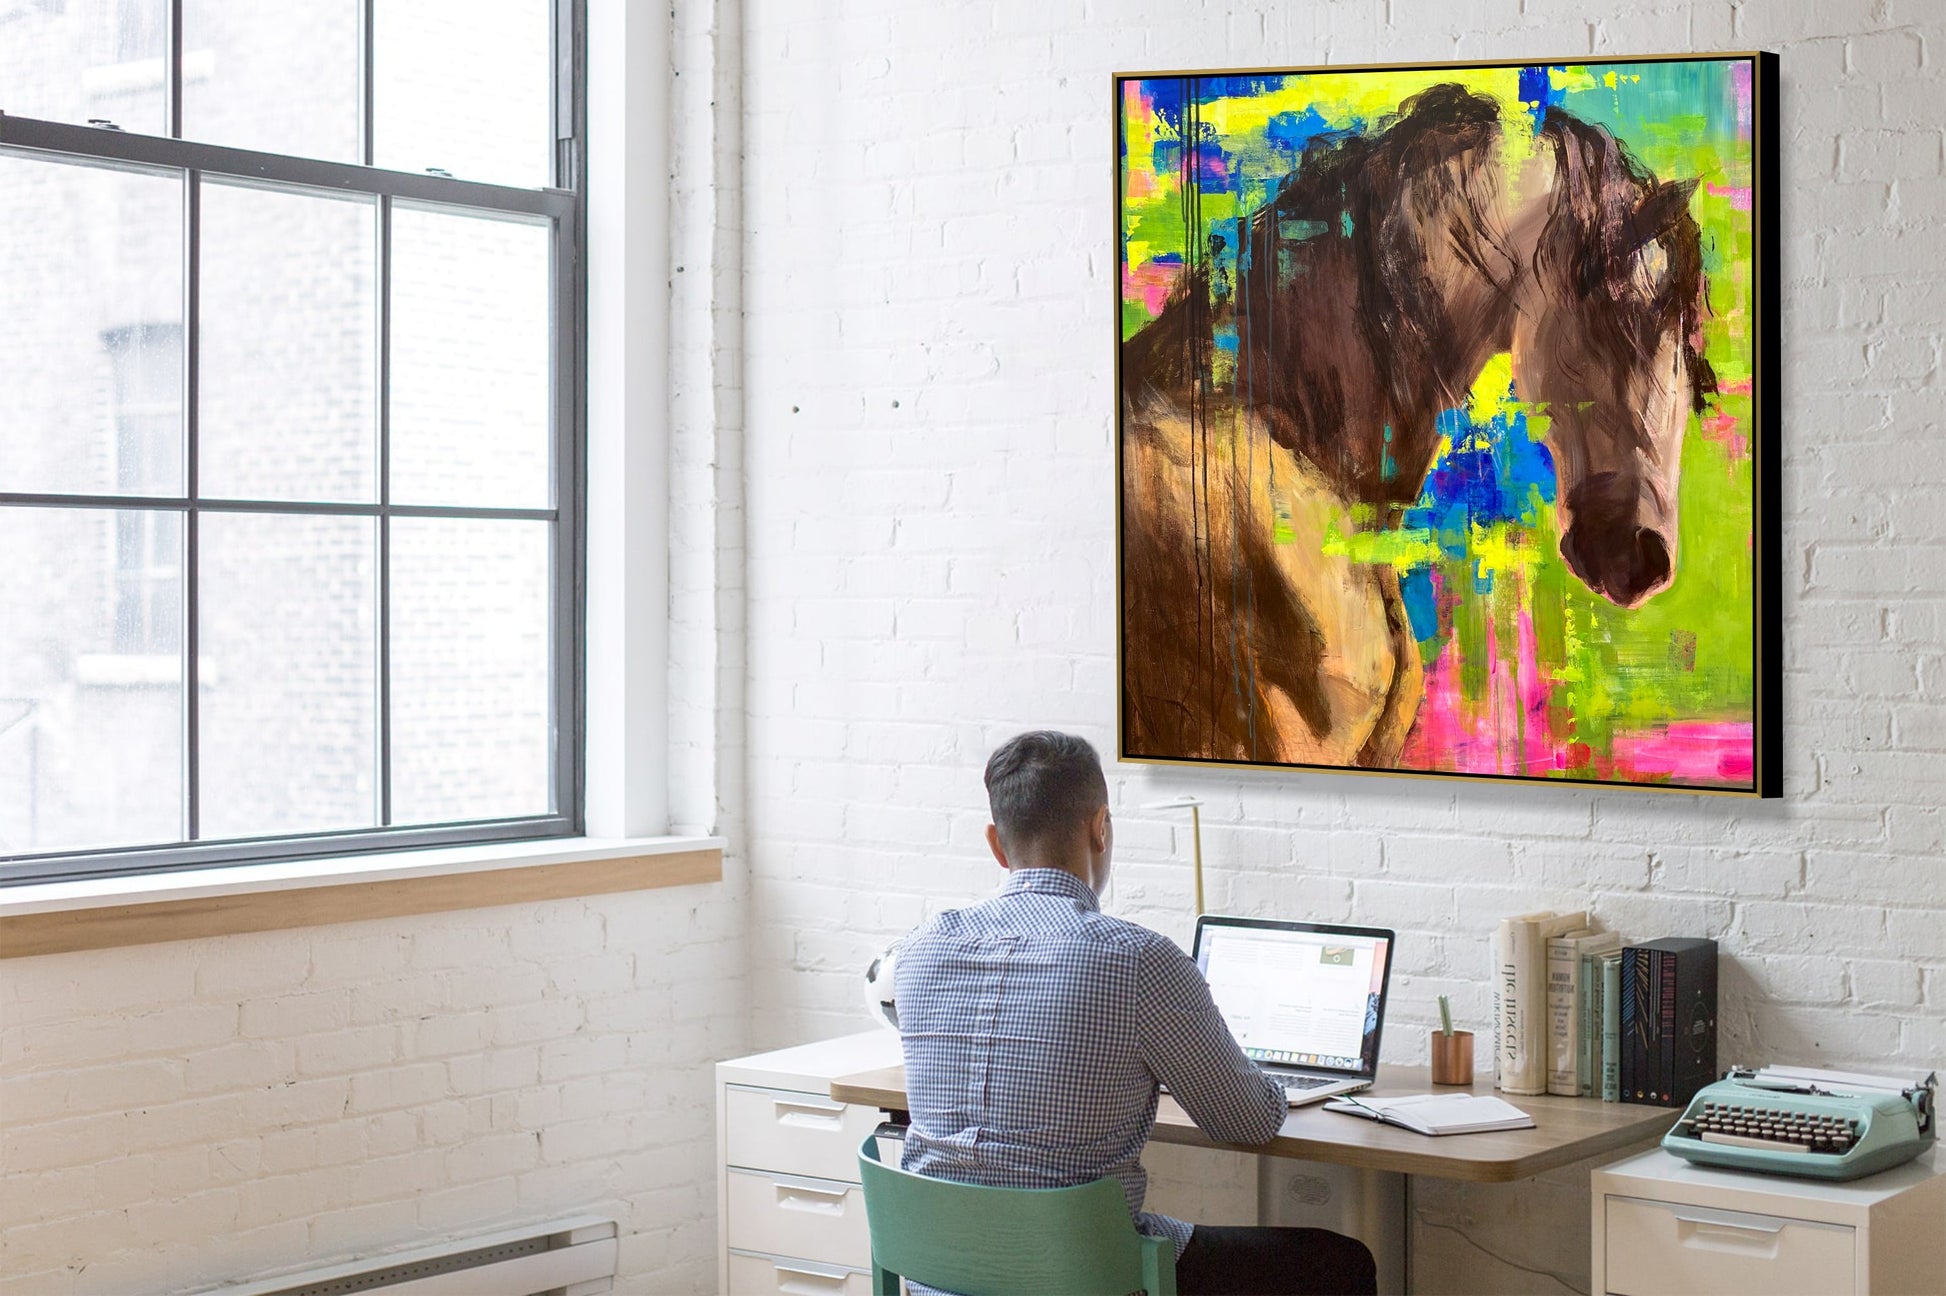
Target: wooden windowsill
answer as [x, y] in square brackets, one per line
[60, 917]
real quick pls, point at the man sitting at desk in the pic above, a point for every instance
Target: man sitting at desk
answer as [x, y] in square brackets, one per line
[1038, 1029]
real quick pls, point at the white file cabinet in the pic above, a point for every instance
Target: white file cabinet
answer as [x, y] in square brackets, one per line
[790, 1213]
[1664, 1226]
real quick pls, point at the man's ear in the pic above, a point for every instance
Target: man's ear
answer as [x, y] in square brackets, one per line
[993, 844]
[1098, 831]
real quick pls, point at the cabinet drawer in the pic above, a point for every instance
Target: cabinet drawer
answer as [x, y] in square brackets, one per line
[762, 1275]
[1654, 1247]
[788, 1215]
[796, 1133]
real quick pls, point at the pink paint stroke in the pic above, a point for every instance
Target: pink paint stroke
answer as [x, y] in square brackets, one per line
[1690, 752]
[1722, 428]
[1739, 195]
[1150, 282]
[1504, 733]
[1740, 87]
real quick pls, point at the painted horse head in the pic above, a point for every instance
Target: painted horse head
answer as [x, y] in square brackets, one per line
[1608, 344]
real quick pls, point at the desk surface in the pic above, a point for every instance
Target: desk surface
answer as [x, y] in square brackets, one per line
[1565, 1130]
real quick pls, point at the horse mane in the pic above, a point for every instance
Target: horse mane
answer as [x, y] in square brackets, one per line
[1367, 211]
[1377, 193]
[1607, 206]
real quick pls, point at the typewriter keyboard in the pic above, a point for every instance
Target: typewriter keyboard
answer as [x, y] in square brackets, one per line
[1764, 1127]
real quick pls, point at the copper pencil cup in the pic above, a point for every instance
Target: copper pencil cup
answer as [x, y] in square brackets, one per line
[1452, 1058]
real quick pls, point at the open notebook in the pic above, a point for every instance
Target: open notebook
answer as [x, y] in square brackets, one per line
[1456, 1113]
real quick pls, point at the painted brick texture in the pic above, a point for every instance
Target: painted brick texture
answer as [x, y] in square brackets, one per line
[929, 470]
[907, 468]
[929, 465]
[181, 1115]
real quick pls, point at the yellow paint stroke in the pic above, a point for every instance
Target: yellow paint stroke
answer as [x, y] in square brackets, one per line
[1402, 549]
[1491, 395]
[1500, 550]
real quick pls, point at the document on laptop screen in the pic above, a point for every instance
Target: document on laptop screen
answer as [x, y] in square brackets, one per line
[1301, 998]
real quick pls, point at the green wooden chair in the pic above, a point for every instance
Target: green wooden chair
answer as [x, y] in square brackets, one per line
[1007, 1241]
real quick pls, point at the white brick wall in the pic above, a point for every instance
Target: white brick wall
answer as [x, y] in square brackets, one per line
[892, 425]
[929, 471]
[174, 1116]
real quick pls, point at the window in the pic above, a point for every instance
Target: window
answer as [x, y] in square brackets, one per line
[146, 361]
[290, 410]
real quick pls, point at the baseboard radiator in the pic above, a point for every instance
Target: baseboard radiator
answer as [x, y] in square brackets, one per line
[573, 1257]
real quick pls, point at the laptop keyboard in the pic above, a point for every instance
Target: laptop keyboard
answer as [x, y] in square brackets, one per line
[1293, 1083]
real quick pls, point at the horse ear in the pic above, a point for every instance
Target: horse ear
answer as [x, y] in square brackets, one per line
[1659, 211]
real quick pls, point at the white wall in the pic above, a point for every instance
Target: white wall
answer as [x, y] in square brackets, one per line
[179, 1115]
[929, 420]
[926, 221]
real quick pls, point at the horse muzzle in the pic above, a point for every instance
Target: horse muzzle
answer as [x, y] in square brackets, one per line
[1617, 541]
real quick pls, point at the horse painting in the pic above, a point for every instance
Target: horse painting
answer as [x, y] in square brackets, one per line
[1453, 298]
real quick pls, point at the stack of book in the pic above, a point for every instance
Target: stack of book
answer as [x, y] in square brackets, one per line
[1550, 1005]
[1667, 1020]
[1577, 1012]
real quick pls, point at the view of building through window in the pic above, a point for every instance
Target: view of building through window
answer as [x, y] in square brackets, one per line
[354, 668]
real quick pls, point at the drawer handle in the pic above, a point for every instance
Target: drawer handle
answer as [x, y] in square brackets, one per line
[1724, 1219]
[807, 1282]
[804, 1197]
[806, 1113]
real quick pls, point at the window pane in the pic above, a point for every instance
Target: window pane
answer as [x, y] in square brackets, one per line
[472, 728]
[90, 329]
[465, 87]
[282, 78]
[90, 678]
[289, 335]
[470, 352]
[77, 60]
[289, 666]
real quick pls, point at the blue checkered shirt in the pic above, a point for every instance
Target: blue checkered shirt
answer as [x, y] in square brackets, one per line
[1037, 1029]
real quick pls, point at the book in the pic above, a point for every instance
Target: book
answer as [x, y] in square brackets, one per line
[1689, 977]
[1567, 1051]
[1635, 1025]
[1587, 1055]
[1507, 1053]
[1437, 1114]
[1522, 1051]
[1668, 1021]
[1587, 1035]
[1562, 974]
[1611, 1027]
[1665, 1003]
[1501, 975]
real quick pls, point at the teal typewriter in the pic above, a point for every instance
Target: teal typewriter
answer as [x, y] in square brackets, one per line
[1814, 1124]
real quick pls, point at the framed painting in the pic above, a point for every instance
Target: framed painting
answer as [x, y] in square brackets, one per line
[1445, 440]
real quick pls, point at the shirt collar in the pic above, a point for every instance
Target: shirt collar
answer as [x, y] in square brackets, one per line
[1052, 881]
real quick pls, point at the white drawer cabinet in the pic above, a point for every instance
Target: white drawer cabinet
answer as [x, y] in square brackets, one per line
[767, 1275]
[1663, 1226]
[784, 1214]
[795, 1133]
[790, 1213]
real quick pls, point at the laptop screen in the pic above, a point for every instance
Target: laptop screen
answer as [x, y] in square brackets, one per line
[1298, 994]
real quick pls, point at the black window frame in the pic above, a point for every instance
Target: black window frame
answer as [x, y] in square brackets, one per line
[560, 204]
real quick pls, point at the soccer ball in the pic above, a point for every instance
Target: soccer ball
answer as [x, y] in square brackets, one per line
[879, 989]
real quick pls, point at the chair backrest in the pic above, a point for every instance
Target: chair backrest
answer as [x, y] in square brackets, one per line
[1007, 1241]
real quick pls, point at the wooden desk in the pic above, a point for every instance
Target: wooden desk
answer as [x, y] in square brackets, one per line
[1565, 1130]
[1368, 1164]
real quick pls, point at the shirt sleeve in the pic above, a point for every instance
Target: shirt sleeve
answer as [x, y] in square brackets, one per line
[1189, 1048]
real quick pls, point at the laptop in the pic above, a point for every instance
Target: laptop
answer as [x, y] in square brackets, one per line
[1305, 1000]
